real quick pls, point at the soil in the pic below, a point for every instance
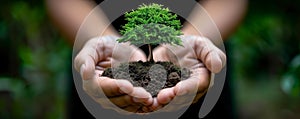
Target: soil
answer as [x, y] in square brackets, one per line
[153, 76]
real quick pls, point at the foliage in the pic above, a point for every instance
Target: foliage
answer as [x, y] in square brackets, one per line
[152, 34]
[152, 13]
[152, 25]
[36, 62]
[269, 41]
[264, 53]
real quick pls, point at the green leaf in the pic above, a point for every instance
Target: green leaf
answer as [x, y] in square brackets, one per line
[152, 13]
[152, 34]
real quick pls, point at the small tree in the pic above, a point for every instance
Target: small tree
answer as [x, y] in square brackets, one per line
[152, 25]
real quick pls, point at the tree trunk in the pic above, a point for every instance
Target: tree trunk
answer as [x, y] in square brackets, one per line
[150, 56]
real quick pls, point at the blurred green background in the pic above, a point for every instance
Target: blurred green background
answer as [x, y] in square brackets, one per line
[35, 63]
[35, 68]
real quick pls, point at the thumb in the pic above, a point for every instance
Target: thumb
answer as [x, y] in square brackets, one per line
[213, 58]
[214, 62]
[87, 70]
[85, 62]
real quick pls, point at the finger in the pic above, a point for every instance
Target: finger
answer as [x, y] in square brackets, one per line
[86, 59]
[92, 87]
[183, 100]
[155, 106]
[198, 82]
[113, 87]
[132, 108]
[212, 56]
[105, 63]
[198, 96]
[184, 96]
[143, 101]
[111, 104]
[99, 70]
[178, 103]
[159, 54]
[186, 87]
[214, 62]
[141, 96]
[186, 90]
[123, 101]
[165, 96]
[122, 110]
[95, 50]
[202, 75]
[85, 63]
[139, 92]
[138, 55]
[126, 100]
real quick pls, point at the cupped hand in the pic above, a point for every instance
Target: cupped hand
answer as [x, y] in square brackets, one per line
[98, 54]
[198, 54]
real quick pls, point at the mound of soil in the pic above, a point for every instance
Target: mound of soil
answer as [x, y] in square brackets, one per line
[153, 76]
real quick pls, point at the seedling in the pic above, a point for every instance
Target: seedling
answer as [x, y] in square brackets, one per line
[151, 25]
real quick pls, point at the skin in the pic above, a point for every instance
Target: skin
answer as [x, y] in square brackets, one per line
[226, 14]
[202, 57]
[91, 60]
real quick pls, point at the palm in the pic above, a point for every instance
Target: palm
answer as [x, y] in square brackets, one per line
[201, 57]
[100, 53]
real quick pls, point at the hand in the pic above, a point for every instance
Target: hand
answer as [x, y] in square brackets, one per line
[98, 54]
[198, 54]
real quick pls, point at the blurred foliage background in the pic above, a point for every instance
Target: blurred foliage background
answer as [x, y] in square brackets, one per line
[35, 72]
[265, 55]
[35, 63]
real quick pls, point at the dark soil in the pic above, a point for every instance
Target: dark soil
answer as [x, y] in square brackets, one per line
[153, 76]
